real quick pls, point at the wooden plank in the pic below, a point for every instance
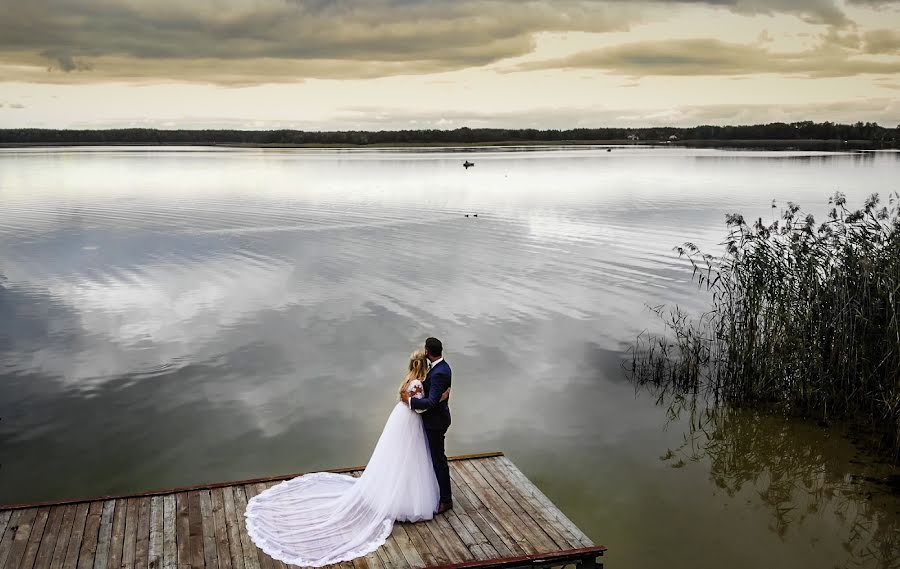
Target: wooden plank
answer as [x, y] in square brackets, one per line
[545, 509]
[423, 546]
[117, 534]
[431, 533]
[104, 537]
[19, 538]
[34, 538]
[498, 478]
[537, 535]
[5, 524]
[74, 548]
[484, 520]
[507, 519]
[90, 537]
[4, 521]
[552, 559]
[360, 563]
[405, 544]
[157, 529]
[170, 554]
[460, 528]
[498, 508]
[182, 530]
[392, 554]
[6, 538]
[477, 543]
[233, 525]
[210, 552]
[385, 559]
[370, 561]
[265, 562]
[162, 492]
[548, 507]
[48, 541]
[62, 540]
[220, 529]
[131, 523]
[195, 528]
[451, 540]
[251, 561]
[142, 539]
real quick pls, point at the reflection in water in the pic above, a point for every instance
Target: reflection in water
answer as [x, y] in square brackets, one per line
[169, 317]
[798, 471]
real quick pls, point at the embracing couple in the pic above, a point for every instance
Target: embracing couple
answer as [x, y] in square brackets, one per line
[324, 518]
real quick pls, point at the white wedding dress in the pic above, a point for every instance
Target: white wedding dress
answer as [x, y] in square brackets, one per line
[323, 518]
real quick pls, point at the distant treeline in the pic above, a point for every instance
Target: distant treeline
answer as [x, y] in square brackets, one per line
[870, 133]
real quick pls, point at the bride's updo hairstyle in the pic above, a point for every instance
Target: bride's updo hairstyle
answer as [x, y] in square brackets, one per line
[417, 369]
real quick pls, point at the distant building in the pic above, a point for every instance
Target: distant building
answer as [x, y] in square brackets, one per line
[633, 137]
[673, 137]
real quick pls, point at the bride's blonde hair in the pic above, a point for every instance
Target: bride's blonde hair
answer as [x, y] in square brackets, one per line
[417, 369]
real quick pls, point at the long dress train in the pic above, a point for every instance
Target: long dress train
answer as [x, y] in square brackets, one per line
[323, 518]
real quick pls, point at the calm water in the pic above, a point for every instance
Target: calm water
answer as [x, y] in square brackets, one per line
[176, 316]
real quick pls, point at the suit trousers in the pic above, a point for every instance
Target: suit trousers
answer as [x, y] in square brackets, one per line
[439, 461]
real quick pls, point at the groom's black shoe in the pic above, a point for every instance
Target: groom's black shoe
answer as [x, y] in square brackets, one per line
[443, 507]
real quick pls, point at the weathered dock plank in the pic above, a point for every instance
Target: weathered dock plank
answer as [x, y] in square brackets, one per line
[101, 557]
[117, 534]
[500, 520]
[48, 541]
[90, 536]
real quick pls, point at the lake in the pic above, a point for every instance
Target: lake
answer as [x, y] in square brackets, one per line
[174, 316]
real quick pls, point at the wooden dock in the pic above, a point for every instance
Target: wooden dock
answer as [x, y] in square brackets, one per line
[499, 519]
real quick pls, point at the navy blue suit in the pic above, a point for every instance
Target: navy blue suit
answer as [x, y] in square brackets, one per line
[436, 419]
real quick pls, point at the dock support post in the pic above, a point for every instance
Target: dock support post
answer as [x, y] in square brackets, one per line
[589, 562]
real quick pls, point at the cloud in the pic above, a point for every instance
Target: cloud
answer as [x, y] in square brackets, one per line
[882, 41]
[713, 57]
[812, 11]
[285, 40]
[239, 42]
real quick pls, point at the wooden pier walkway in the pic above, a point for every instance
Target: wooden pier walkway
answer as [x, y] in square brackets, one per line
[499, 519]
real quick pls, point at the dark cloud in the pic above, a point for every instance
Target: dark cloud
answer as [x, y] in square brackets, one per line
[240, 42]
[882, 41]
[714, 57]
[286, 39]
[813, 11]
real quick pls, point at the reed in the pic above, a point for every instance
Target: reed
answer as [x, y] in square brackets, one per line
[805, 317]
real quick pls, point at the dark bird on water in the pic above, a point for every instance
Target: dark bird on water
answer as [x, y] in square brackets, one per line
[468, 164]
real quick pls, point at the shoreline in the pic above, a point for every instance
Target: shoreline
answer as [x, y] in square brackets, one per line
[833, 145]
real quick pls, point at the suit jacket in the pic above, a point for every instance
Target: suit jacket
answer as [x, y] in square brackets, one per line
[437, 413]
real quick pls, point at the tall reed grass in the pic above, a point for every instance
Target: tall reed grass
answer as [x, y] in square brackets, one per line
[803, 316]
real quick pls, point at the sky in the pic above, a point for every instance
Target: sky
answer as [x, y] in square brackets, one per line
[410, 64]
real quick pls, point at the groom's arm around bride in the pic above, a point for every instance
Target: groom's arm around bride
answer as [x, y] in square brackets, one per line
[438, 386]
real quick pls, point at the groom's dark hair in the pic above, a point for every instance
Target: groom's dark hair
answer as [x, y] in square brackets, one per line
[434, 347]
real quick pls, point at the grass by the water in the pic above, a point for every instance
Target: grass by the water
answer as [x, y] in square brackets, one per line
[804, 316]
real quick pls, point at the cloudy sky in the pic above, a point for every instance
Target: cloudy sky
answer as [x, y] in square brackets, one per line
[373, 64]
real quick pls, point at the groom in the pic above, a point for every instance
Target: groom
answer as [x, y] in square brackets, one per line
[436, 416]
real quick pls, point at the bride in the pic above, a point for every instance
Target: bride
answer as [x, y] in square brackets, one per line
[323, 518]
